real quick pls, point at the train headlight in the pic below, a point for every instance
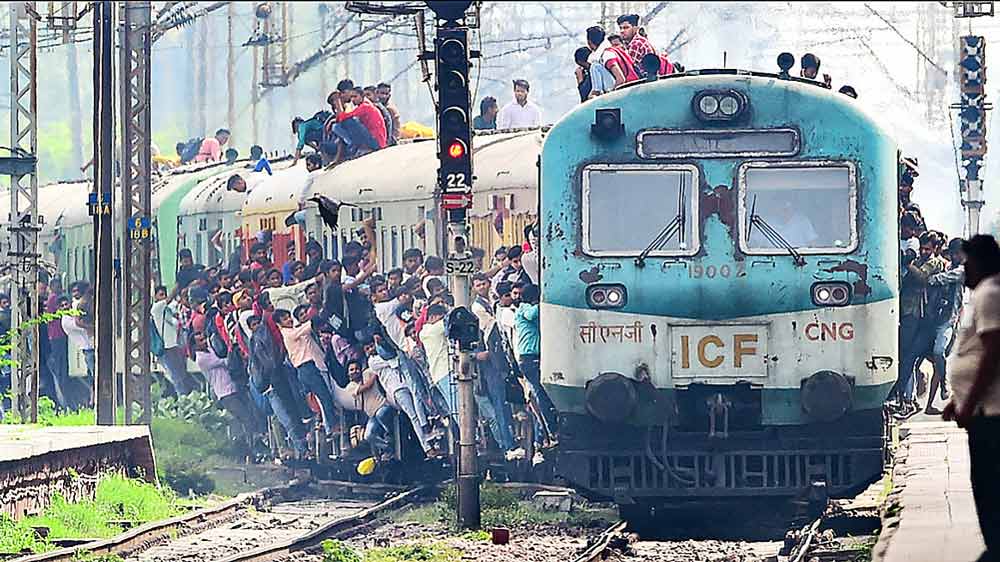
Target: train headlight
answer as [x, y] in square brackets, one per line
[729, 105]
[719, 105]
[606, 296]
[708, 105]
[831, 293]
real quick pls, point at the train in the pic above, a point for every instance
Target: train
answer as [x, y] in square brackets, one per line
[720, 297]
[191, 207]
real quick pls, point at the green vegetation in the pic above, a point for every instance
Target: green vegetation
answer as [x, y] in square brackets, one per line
[16, 537]
[477, 536]
[118, 502]
[336, 551]
[117, 499]
[501, 507]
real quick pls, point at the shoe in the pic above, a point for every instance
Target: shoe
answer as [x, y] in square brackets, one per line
[944, 392]
[932, 411]
[515, 454]
[537, 459]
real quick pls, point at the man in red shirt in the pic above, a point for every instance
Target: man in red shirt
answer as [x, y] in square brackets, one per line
[637, 45]
[371, 135]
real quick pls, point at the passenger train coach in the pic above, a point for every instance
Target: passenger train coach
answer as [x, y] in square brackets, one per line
[719, 292]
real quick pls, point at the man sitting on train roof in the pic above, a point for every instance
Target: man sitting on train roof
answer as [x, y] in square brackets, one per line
[810, 68]
[211, 148]
[520, 112]
[487, 118]
[637, 45]
[261, 163]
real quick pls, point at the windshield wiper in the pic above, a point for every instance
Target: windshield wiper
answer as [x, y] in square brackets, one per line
[772, 235]
[676, 226]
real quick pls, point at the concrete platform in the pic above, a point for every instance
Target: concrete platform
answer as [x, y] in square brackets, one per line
[930, 515]
[36, 462]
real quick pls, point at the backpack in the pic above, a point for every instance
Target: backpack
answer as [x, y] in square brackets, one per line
[191, 149]
[215, 341]
[321, 116]
[155, 341]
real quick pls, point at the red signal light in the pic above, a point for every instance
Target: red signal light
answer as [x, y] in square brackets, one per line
[456, 149]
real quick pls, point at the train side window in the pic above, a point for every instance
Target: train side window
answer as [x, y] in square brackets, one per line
[395, 247]
[810, 205]
[627, 208]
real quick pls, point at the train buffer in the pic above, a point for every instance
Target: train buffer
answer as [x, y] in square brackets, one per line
[930, 514]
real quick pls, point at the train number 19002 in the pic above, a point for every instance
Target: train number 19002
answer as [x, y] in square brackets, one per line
[698, 271]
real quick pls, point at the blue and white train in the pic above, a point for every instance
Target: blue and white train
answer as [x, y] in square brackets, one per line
[720, 288]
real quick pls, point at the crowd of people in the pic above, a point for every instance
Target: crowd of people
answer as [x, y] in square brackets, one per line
[932, 279]
[321, 343]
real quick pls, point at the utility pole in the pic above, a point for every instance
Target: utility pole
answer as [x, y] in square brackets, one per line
[136, 207]
[23, 222]
[104, 160]
[451, 57]
[230, 72]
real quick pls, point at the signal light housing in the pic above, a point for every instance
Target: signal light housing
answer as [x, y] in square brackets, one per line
[454, 124]
[607, 296]
[831, 293]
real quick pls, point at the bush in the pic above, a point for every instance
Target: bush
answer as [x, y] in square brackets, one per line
[185, 451]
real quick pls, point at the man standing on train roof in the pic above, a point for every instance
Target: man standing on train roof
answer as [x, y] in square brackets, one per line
[520, 112]
[972, 372]
[384, 93]
[637, 45]
[211, 148]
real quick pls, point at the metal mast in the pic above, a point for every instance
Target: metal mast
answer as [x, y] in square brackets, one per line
[136, 202]
[24, 223]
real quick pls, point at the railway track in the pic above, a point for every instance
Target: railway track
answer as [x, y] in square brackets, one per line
[265, 525]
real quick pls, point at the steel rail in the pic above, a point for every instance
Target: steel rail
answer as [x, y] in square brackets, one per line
[333, 528]
[150, 534]
[595, 551]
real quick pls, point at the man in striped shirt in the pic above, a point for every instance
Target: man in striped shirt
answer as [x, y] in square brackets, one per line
[637, 44]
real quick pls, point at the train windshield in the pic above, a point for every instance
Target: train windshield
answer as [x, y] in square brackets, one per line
[808, 208]
[630, 210]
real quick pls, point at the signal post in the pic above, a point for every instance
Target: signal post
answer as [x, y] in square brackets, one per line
[451, 57]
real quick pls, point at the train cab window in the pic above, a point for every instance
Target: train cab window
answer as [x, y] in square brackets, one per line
[628, 209]
[807, 206]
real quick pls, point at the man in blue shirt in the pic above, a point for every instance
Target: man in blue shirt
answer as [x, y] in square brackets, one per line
[528, 346]
[308, 131]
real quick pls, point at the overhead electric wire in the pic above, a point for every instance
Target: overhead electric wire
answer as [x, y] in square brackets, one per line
[906, 39]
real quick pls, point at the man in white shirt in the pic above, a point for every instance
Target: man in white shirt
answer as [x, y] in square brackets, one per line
[435, 341]
[520, 112]
[972, 372]
[167, 324]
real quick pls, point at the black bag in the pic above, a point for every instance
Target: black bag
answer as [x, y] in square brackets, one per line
[215, 341]
[191, 149]
[237, 367]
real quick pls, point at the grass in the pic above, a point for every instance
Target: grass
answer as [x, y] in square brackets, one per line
[117, 499]
[336, 551]
[500, 507]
